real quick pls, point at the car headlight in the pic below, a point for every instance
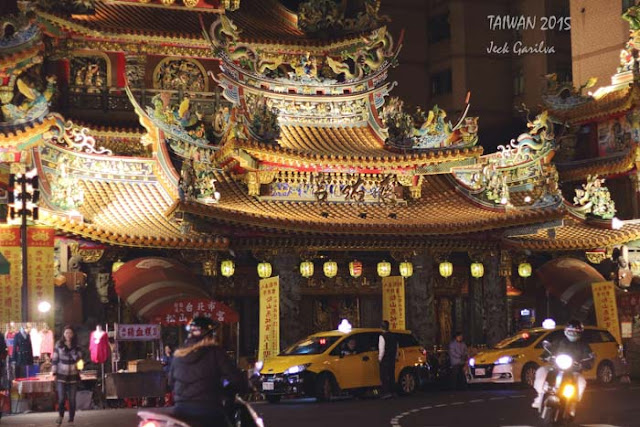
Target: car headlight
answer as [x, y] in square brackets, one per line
[258, 366]
[564, 361]
[296, 369]
[472, 362]
[504, 360]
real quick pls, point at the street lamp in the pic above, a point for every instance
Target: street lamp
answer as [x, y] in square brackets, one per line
[23, 188]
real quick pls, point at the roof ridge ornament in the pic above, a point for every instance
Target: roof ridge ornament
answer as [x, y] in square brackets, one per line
[324, 17]
[594, 198]
[422, 130]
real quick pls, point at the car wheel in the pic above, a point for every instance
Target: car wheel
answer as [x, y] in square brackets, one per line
[273, 398]
[528, 375]
[407, 382]
[605, 373]
[324, 388]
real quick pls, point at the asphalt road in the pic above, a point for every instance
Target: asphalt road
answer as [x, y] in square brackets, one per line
[602, 406]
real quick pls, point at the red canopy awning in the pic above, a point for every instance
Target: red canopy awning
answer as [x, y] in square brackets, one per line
[181, 311]
[147, 283]
[570, 280]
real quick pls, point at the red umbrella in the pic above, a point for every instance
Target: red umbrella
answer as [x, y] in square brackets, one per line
[145, 282]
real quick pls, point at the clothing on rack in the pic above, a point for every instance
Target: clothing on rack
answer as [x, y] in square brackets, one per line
[47, 342]
[9, 341]
[99, 346]
[22, 350]
[36, 341]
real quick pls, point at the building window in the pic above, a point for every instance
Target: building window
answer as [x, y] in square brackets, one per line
[438, 28]
[564, 73]
[441, 83]
[626, 4]
[518, 83]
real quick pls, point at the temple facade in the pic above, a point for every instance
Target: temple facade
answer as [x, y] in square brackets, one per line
[252, 133]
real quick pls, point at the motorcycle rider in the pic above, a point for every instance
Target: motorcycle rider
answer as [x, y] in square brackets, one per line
[572, 345]
[197, 373]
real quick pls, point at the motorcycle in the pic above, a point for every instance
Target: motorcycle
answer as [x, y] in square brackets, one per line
[239, 414]
[560, 389]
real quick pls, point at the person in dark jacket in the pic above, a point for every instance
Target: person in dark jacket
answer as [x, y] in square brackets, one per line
[196, 377]
[387, 351]
[572, 345]
[66, 355]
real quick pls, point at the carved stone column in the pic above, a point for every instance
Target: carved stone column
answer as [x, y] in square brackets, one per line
[291, 325]
[476, 312]
[495, 300]
[420, 301]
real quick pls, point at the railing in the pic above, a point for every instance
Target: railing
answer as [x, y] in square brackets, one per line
[115, 99]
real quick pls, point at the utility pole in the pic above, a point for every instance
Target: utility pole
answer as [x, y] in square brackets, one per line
[27, 195]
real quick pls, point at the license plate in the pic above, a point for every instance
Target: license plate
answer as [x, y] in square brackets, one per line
[480, 371]
[267, 386]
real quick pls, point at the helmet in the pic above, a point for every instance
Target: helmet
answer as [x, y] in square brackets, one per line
[573, 330]
[204, 323]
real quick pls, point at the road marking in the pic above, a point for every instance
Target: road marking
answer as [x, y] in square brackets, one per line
[497, 398]
[457, 403]
[442, 405]
[476, 401]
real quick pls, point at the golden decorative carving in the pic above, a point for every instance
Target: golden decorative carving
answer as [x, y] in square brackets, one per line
[90, 256]
[596, 257]
[253, 183]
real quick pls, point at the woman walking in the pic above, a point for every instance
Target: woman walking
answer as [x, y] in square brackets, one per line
[66, 355]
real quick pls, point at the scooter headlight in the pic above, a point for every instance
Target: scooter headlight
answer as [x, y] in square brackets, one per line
[472, 362]
[568, 391]
[564, 362]
[258, 366]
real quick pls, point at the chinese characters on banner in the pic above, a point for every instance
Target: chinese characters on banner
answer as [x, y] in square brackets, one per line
[181, 312]
[604, 300]
[269, 318]
[137, 332]
[10, 284]
[393, 301]
[40, 243]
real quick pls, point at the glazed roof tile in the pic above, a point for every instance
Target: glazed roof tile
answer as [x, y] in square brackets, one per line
[129, 214]
[577, 235]
[609, 165]
[441, 210]
[611, 103]
[343, 147]
[136, 20]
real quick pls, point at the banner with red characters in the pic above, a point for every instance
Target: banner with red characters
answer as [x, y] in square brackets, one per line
[40, 246]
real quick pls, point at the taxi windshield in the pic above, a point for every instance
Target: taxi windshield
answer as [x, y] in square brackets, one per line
[311, 345]
[523, 339]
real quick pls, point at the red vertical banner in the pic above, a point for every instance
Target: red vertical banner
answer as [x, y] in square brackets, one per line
[40, 243]
[393, 308]
[269, 339]
[10, 295]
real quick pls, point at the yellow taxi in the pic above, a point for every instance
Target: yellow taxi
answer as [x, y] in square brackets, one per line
[515, 359]
[330, 363]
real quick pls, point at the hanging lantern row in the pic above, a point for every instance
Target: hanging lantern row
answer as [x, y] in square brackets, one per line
[227, 268]
[355, 268]
[524, 269]
[264, 270]
[384, 269]
[445, 268]
[477, 270]
[306, 269]
[406, 269]
[330, 268]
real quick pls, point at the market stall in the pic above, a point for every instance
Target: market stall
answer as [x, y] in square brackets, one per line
[181, 311]
[143, 377]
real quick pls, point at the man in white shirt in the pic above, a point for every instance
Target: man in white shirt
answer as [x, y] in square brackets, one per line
[387, 350]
